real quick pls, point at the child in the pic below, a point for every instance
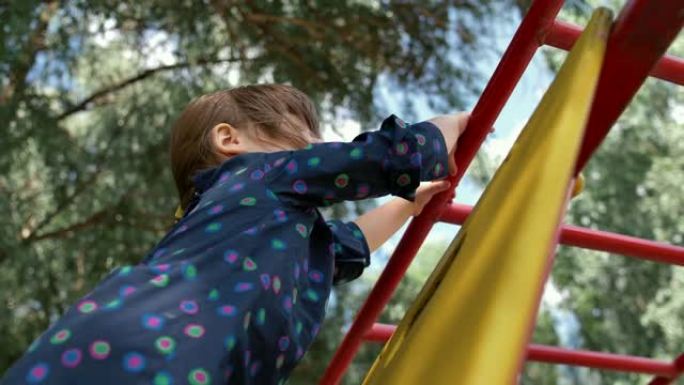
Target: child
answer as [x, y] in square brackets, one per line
[237, 289]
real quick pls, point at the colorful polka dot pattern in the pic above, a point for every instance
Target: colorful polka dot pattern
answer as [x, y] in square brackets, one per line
[393, 160]
[100, 349]
[199, 376]
[133, 362]
[165, 344]
[189, 307]
[71, 358]
[37, 373]
[163, 378]
[60, 337]
[243, 279]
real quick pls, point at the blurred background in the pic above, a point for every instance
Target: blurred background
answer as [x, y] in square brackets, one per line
[89, 89]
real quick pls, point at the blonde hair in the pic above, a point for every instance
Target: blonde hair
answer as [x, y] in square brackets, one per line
[267, 112]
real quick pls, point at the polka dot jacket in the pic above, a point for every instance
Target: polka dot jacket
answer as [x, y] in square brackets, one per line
[236, 291]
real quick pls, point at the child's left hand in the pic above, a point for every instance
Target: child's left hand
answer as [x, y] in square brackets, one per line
[426, 191]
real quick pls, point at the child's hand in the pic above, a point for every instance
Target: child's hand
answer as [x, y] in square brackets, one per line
[380, 223]
[451, 126]
[424, 193]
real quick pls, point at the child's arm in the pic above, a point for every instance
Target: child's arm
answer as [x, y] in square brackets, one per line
[392, 160]
[380, 223]
[353, 242]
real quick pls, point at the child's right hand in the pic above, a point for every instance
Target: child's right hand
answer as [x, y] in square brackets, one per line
[451, 126]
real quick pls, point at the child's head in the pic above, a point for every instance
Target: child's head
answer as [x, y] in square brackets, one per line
[223, 124]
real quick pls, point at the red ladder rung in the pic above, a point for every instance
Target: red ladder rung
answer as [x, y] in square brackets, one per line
[563, 35]
[593, 239]
[556, 355]
[667, 380]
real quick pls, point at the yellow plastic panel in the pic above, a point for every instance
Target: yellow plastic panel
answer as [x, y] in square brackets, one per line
[472, 320]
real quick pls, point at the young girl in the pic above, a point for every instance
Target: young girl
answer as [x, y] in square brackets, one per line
[237, 289]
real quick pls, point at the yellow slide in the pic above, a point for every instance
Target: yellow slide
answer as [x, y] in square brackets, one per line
[472, 320]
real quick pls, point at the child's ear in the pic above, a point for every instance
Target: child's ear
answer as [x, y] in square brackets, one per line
[226, 139]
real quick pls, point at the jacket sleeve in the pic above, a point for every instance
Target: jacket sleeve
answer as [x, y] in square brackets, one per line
[392, 160]
[350, 251]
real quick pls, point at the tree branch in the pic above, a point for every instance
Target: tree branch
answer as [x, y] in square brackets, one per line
[31, 232]
[102, 93]
[99, 160]
[101, 217]
[284, 47]
[315, 29]
[262, 24]
[94, 219]
[35, 43]
[31, 235]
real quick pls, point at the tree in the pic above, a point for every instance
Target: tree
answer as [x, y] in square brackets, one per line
[88, 90]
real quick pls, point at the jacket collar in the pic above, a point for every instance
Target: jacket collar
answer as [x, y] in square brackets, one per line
[205, 178]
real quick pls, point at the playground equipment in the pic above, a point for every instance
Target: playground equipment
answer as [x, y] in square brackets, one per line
[490, 351]
[469, 317]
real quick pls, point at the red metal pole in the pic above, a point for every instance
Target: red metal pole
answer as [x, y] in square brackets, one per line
[551, 354]
[455, 213]
[643, 31]
[678, 363]
[670, 68]
[622, 244]
[563, 35]
[380, 332]
[524, 44]
[594, 239]
[598, 360]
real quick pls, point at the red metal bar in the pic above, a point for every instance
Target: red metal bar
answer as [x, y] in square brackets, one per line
[678, 363]
[550, 354]
[643, 31]
[515, 60]
[622, 244]
[670, 68]
[603, 361]
[563, 35]
[455, 213]
[380, 333]
[594, 239]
